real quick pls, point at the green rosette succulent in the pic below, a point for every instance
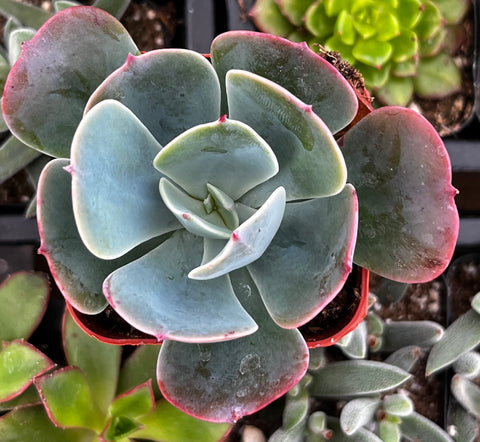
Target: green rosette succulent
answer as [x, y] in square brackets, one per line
[402, 48]
[206, 201]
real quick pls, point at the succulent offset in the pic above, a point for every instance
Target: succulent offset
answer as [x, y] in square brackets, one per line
[401, 47]
[209, 202]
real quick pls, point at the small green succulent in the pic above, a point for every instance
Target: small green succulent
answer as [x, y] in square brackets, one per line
[401, 47]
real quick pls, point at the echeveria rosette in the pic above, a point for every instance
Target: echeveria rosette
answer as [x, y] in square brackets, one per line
[210, 209]
[401, 47]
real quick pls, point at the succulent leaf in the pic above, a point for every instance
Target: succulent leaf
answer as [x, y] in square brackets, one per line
[169, 424]
[417, 427]
[99, 362]
[310, 162]
[278, 60]
[77, 272]
[20, 362]
[274, 22]
[248, 242]
[356, 345]
[461, 336]
[40, 427]
[405, 358]
[398, 405]
[399, 334]
[134, 403]
[14, 156]
[163, 302]
[467, 393]
[62, 93]
[68, 400]
[468, 365]
[362, 435]
[22, 295]
[357, 413]
[404, 216]
[249, 372]
[119, 212]
[183, 90]
[191, 212]
[213, 153]
[356, 378]
[307, 246]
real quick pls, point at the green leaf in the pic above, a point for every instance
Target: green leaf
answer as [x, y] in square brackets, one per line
[248, 242]
[223, 381]
[405, 358]
[409, 13]
[362, 435]
[398, 334]
[99, 362]
[475, 303]
[374, 78]
[417, 427]
[460, 337]
[62, 83]
[310, 161]
[358, 412]
[138, 368]
[115, 7]
[453, 10]
[23, 295]
[268, 18]
[168, 424]
[163, 302]
[432, 46]
[356, 378]
[111, 218]
[356, 345]
[68, 399]
[60, 5]
[16, 39]
[215, 153]
[430, 20]
[14, 156]
[294, 10]
[387, 26]
[317, 20]
[336, 44]
[26, 398]
[468, 365]
[276, 59]
[372, 52]
[437, 77]
[134, 403]
[27, 14]
[408, 221]
[20, 363]
[398, 405]
[33, 424]
[389, 431]
[314, 247]
[180, 87]
[405, 46]
[397, 91]
[344, 28]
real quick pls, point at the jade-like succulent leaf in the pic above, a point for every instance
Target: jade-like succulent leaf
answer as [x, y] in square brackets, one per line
[314, 247]
[355, 346]
[357, 413]
[58, 70]
[23, 295]
[398, 405]
[27, 397]
[163, 302]
[191, 212]
[276, 59]
[356, 378]
[398, 334]
[16, 39]
[311, 164]
[226, 153]
[248, 242]
[68, 399]
[78, 274]
[98, 361]
[269, 18]
[20, 362]
[248, 373]
[417, 427]
[39, 427]
[408, 222]
[180, 87]
[114, 186]
[467, 393]
[169, 424]
[461, 336]
[138, 368]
